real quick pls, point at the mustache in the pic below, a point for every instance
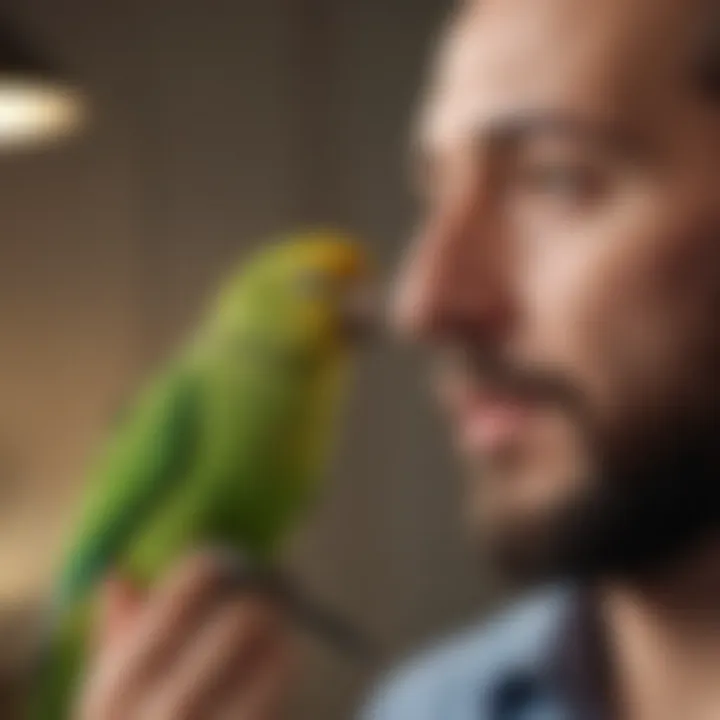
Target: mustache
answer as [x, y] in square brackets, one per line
[488, 370]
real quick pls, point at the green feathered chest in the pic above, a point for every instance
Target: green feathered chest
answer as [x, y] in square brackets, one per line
[263, 427]
[257, 418]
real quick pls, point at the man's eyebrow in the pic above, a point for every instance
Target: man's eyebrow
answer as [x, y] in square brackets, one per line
[507, 133]
[511, 131]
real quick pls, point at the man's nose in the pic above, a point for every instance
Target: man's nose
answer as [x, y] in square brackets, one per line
[454, 282]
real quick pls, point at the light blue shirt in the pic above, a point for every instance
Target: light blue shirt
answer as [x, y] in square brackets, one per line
[536, 662]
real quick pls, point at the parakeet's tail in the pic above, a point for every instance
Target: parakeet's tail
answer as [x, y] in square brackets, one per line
[60, 668]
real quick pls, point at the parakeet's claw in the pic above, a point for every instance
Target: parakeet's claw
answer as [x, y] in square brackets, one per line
[336, 630]
[320, 621]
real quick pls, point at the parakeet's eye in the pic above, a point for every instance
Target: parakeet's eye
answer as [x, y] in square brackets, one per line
[315, 284]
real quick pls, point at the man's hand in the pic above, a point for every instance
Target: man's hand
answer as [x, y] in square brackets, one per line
[200, 646]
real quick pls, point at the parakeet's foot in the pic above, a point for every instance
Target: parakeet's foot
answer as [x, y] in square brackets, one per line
[308, 614]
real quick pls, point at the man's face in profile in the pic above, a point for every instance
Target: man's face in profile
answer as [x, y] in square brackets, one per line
[567, 275]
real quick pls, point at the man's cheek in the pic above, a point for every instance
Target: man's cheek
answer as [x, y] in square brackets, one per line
[569, 316]
[649, 322]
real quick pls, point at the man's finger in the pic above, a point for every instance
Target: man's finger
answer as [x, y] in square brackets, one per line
[260, 696]
[228, 646]
[120, 605]
[169, 617]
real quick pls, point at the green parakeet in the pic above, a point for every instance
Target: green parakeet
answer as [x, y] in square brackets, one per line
[224, 448]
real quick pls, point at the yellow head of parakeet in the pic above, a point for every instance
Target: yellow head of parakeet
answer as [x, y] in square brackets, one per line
[308, 292]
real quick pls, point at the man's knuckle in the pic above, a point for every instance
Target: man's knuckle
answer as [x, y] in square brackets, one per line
[201, 572]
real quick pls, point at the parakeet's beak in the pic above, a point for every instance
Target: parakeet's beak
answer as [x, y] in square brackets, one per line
[360, 311]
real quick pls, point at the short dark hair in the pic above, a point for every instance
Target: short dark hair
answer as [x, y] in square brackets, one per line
[706, 53]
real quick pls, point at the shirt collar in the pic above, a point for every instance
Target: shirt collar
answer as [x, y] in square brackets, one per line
[560, 665]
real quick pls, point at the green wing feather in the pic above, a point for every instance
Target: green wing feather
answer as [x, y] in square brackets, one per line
[146, 461]
[148, 457]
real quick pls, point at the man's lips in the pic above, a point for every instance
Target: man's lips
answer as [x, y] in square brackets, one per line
[485, 420]
[487, 424]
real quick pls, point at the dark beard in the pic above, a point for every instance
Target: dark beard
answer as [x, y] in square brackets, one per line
[647, 510]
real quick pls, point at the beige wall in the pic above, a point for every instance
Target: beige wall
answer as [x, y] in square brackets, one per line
[216, 123]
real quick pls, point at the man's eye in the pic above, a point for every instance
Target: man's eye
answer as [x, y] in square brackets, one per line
[568, 182]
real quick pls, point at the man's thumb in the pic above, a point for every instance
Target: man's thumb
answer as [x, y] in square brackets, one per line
[120, 604]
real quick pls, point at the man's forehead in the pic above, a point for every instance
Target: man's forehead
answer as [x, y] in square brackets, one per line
[578, 56]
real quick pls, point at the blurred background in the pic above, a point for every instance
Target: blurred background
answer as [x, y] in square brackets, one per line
[212, 125]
